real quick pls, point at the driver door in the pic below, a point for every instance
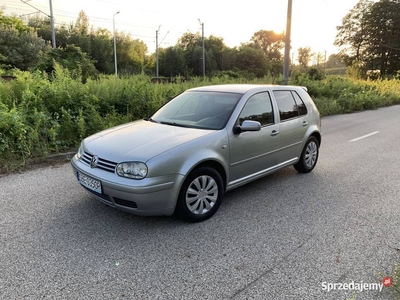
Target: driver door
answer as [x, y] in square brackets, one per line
[254, 152]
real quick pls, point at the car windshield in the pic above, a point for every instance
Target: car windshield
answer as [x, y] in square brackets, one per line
[198, 109]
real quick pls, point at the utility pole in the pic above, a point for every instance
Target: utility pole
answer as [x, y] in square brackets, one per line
[287, 44]
[115, 46]
[53, 33]
[204, 60]
[51, 16]
[157, 50]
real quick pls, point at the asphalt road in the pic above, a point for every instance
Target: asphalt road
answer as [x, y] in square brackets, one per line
[286, 236]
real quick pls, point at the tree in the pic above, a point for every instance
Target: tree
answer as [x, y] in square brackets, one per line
[19, 44]
[172, 61]
[79, 34]
[228, 58]
[214, 47]
[320, 59]
[72, 58]
[130, 53]
[252, 61]
[97, 44]
[102, 51]
[191, 45]
[352, 32]
[272, 44]
[335, 61]
[383, 42]
[82, 24]
[13, 22]
[211, 61]
[43, 28]
[194, 56]
[370, 34]
[188, 40]
[304, 56]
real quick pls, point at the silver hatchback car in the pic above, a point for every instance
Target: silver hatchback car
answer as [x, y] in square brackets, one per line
[204, 142]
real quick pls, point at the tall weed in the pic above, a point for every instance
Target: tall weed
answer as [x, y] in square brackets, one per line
[337, 95]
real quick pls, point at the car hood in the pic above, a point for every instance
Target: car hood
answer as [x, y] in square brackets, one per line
[139, 140]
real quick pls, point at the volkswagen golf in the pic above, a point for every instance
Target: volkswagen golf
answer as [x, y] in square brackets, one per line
[202, 143]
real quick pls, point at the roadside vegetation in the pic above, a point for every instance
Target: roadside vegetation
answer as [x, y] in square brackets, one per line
[396, 282]
[41, 114]
[52, 97]
[394, 288]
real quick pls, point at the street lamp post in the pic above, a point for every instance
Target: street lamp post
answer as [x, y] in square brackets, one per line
[115, 46]
[202, 39]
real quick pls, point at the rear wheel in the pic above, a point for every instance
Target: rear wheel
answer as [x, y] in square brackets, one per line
[309, 156]
[201, 195]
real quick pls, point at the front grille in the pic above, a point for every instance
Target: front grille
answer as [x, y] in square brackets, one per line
[103, 164]
[126, 203]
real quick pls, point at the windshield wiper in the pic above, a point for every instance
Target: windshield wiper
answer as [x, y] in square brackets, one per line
[150, 119]
[174, 124]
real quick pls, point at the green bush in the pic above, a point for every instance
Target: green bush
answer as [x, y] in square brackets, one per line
[15, 136]
[337, 95]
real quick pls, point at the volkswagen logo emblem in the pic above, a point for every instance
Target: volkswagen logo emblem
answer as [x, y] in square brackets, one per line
[94, 161]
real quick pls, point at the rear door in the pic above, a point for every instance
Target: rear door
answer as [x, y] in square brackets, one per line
[293, 124]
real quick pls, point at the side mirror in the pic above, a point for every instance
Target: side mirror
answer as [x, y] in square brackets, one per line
[248, 126]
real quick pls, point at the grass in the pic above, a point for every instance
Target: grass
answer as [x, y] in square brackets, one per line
[394, 289]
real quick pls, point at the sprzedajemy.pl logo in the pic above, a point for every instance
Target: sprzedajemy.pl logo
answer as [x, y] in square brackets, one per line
[357, 286]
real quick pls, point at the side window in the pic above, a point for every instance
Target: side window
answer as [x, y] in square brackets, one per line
[287, 106]
[300, 104]
[258, 108]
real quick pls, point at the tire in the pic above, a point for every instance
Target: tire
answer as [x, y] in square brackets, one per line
[201, 195]
[309, 156]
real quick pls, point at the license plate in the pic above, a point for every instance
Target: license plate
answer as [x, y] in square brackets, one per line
[90, 183]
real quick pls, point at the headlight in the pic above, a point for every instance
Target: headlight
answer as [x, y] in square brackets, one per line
[80, 152]
[136, 170]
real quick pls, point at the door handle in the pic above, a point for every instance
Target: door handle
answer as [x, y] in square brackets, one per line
[274, 133]
[305, 123]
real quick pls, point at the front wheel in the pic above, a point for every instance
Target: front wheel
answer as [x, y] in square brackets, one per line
[309, 156]
[200, 195]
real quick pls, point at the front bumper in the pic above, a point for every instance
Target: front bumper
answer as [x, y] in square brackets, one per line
[147, 197]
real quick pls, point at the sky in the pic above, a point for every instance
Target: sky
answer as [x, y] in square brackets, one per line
[313, 21]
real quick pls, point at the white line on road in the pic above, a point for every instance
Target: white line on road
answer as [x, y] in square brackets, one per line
[364, 136]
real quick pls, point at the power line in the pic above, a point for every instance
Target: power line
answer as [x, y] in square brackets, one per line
[72, 17]
[67, 17]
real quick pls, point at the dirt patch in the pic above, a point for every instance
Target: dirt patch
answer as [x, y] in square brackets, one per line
[54, 160]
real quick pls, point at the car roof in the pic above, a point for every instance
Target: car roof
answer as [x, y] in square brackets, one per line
[241, 88]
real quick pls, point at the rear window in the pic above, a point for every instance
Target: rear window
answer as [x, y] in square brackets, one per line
[300, 104]
[290, 105]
